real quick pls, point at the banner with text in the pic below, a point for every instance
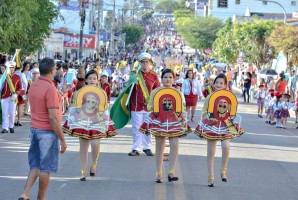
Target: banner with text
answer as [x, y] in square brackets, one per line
[73, 41]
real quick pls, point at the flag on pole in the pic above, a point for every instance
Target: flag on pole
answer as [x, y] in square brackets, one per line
[18, 59]
[3, 78]
[120, 111]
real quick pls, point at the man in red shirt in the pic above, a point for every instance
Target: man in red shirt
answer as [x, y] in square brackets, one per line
[138, 105]
[9, 96]
[45, 128]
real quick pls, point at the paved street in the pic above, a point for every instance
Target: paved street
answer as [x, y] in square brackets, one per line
[263, 165]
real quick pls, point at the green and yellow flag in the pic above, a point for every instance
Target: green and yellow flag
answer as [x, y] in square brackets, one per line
[120, 111]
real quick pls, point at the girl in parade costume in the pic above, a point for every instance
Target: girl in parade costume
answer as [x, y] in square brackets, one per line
[219, 125]
[166, 122]
[286, 105]
[268, 105]
[277, 106]
[89, 136]
[260, 95]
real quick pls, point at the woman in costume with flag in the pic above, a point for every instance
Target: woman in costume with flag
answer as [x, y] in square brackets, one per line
[218, 124]
[166, 120]
[90, 120]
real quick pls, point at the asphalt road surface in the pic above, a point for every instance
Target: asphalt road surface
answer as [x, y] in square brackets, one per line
[263, 165]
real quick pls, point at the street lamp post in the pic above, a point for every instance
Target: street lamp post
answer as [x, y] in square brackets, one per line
[284, 11]
[82, 15]
[112, 44]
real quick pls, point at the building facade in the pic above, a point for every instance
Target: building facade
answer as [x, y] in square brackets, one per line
[224, 9]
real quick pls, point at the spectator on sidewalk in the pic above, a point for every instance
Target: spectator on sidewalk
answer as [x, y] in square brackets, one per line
[246, 87]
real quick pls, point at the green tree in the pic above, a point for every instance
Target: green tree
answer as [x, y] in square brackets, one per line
[224, 46]
[166, 6]
[285, 38]
[250, 37]
[181, 13]
[147, 15]
[133, 33]
[25, 23]
[199, 32]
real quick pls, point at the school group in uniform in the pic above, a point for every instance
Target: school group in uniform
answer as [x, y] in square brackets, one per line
[277, 106]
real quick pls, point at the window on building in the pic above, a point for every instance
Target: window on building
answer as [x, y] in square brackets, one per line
[293, 3]
[237, 1]
[222, 3]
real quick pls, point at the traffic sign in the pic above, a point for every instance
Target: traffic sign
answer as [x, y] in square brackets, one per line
[239, 60]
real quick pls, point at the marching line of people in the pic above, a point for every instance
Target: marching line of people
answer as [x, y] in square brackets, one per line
[155, 109]
[179, 91]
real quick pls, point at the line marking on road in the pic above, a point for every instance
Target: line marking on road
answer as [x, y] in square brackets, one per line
[265, 134]
[179, 186]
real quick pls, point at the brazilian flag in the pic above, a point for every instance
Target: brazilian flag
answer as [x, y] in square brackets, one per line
[120, 111]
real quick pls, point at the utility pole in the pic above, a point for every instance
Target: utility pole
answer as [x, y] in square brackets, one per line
[97, 31]
[82, 15]
[112, 31]
[133, 13]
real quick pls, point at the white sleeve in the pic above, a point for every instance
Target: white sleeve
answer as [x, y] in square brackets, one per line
[199, 89]
[24, 82]
[183, 87]
[61, 83]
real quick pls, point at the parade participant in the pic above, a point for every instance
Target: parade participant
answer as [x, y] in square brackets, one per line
[286, 105]
[148, 80]
[2, 69]
[26, 68]
[45, 129]
[105, 85]
[166, 120]
[89, 112]
[217, 123]
[192, 90]
[246, 87]
[260, 95]
[268, 105]
[22, 96]
[9, 96]
[277, 110]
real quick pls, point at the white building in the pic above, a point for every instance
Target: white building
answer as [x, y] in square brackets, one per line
[224, 9]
